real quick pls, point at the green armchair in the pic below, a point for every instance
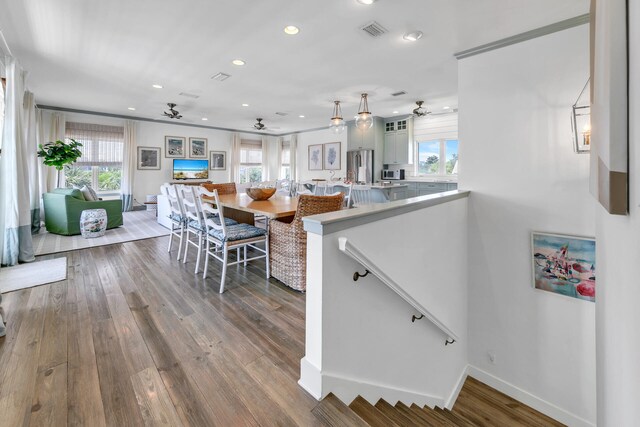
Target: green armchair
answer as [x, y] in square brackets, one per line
[63, 207]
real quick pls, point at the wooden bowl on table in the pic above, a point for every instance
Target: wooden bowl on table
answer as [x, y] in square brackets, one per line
[260, 193]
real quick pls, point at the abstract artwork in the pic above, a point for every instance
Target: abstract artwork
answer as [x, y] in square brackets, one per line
[148, 158]
[315, 157]
[198, 148]
[564, 265]
[331, 156]
[174, 146]
[217, 160]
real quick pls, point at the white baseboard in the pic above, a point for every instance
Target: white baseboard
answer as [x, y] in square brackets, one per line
[529, 399]
[453, 396]
[310, 378]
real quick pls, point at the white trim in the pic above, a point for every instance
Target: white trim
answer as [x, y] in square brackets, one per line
[310, 378]
[453, 396]
[529, 399]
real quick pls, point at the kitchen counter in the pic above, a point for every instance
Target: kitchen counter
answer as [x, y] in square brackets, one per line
[389, 186]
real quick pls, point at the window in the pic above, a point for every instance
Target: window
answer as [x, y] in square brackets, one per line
[250, 161]
[101, 163]
[285, 161]
[430, 153]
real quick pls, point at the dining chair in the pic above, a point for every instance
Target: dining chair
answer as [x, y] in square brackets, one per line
[288, 242]
[225, 237]
[223, 188]
[361, 195]
[177, 216]
[343, 188]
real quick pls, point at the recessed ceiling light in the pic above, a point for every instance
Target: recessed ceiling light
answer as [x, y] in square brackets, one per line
[291, 29]
[413, 36]
[238, 62]
[131, 108]
[301, 116]
[395, 112]
[245, 105]
[204, 119]
[157, 86]
[366, 1]
[446, 107]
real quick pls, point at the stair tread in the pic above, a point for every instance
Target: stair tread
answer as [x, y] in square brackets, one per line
[476, 392]
[391, 412]
[432, 416]
[418, 417]
[371, 414]
[331, 411]
[458, 419]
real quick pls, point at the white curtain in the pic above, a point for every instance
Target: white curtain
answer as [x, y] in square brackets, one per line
[236, 142]
[279, 142]
[30, 155]
[49, 174]
[15, 208]
[265, 159]
[128, 164]
[293, 155]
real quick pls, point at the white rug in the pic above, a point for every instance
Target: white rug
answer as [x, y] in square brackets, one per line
[137, 225]
[32, 274]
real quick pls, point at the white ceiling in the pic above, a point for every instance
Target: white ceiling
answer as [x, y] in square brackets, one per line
[104, 56]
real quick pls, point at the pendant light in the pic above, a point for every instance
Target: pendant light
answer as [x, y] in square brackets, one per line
[364, 120]
[337, 122]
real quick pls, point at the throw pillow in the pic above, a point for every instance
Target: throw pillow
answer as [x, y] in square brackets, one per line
[93, 193]
[86, 192]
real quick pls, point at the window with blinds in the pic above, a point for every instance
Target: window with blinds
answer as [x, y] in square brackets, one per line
[436, 145]
[250, 161]
[100, 165]
[285, 161]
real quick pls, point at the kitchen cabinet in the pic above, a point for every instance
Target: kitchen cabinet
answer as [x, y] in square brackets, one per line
[415, 189]
[398, 142]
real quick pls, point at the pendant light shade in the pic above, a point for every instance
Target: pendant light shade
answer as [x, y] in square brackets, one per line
[364, 120]
[337, 122]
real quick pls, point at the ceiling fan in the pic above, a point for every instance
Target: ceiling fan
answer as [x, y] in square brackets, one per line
[172, 114]
[420, 110]
[259, 125]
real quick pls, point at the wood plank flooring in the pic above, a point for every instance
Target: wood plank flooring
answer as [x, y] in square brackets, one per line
[134, 338]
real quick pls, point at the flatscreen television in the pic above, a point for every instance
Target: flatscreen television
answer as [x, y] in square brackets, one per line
[190, 169]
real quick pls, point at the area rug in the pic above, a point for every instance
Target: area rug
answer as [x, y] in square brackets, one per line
[137, 225]
[32, 274]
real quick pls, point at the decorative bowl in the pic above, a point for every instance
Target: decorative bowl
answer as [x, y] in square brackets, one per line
[260, 193]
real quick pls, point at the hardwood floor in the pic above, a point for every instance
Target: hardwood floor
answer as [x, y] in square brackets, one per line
[134, 338]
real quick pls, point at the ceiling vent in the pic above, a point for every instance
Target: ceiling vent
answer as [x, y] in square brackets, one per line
[374, 29]
[282, 114]
[221, 77]
[189, 95]
[402, 92]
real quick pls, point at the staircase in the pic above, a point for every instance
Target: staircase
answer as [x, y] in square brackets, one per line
[477, 405]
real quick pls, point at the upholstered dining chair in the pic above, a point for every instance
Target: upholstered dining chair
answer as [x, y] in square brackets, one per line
[220, 237]
[288, 242]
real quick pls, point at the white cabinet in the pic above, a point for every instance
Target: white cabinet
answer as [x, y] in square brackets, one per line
[398, 142]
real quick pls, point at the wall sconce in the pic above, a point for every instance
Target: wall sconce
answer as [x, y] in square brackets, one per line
[581, 122]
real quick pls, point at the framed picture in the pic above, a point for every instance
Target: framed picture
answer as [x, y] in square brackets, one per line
[331, 156]
[174, 146]
[315, 157]
[149, 158]
[198, 148]
[217, 160]
[564, 265]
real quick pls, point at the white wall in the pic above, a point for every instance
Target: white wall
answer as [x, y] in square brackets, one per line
[618, 252]
[319, 137]
[517, 160]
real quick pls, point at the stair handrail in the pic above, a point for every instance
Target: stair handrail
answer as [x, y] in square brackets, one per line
[352, 251]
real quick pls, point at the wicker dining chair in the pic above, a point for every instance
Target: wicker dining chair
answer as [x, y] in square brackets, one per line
[288, 242]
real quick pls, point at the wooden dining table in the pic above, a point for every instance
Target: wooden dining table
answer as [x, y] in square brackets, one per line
[242, 208]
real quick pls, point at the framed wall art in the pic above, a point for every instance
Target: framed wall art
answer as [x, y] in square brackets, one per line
[174, 146]
[315, 157]
[564, 265]
[217, 160]
[148, 158]
[198, 148]
[331, 156]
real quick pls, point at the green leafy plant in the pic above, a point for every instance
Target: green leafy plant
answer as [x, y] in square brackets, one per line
[60, 154]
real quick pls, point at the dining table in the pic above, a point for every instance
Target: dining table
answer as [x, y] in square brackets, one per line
[244, 209]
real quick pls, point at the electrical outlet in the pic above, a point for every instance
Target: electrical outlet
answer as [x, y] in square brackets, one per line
[492, 357]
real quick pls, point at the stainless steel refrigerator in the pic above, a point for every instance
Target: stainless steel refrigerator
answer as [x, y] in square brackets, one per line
[360, 166]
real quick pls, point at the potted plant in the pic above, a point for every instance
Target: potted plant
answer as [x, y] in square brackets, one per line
[59, 154]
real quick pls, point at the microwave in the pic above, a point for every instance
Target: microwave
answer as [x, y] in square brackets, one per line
[392, 174]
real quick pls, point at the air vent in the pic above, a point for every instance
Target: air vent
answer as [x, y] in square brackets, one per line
[221, 77]
[189, 95]
[374, 29]
[281, 113]
[402, 92]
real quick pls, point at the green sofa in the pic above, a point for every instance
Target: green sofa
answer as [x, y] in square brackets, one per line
[63, 207]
